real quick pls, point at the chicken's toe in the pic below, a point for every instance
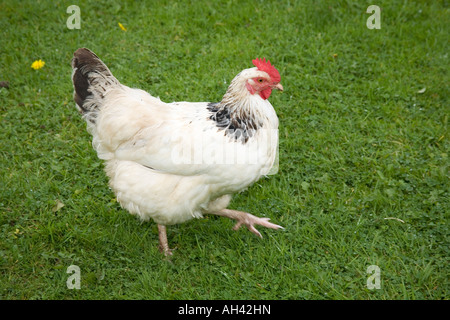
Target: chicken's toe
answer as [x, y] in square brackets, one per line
[249, 220]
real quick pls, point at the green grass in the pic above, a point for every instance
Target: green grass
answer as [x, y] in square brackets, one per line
[359, 142]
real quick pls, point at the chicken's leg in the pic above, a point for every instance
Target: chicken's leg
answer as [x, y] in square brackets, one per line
[163, 243]
[247, 219]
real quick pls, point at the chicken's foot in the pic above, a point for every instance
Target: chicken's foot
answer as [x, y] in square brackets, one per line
[247, 219]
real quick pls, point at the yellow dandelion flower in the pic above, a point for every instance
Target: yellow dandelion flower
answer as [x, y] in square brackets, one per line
[122, 27]
[38, 64]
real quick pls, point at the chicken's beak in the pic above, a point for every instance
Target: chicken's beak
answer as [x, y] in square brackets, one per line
[278, 86]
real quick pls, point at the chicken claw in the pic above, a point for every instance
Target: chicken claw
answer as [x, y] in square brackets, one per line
[247, 219]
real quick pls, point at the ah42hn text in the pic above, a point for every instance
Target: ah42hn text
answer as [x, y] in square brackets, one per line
[232, 309]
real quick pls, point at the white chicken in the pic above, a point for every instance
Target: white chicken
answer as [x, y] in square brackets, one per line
[172, 162]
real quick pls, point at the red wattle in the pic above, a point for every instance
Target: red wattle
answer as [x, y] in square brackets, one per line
[265, 94]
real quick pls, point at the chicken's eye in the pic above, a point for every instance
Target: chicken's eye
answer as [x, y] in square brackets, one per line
[260, 80]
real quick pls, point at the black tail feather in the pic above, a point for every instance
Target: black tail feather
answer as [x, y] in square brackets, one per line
[90, 77]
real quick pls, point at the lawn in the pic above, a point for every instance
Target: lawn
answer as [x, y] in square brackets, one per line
[363, 164]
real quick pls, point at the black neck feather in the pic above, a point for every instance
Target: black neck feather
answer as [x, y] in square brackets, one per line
[239, 126]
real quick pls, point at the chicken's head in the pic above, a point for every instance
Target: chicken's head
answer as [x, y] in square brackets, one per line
[263, 79]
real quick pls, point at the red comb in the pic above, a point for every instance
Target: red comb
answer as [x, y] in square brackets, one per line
[265, 66]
